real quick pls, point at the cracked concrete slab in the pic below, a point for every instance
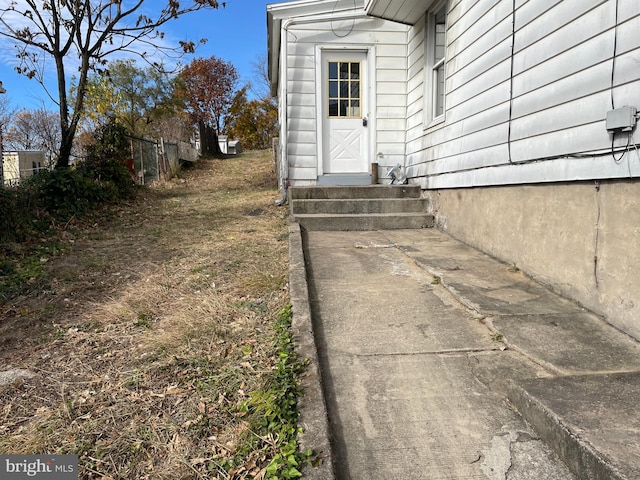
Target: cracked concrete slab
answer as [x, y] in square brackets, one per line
[410, 383]
[420, 341]
[478, 280]
[432, 413]
[590, 419]
[578, 342]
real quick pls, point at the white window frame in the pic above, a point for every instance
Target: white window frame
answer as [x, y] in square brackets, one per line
[431, 91]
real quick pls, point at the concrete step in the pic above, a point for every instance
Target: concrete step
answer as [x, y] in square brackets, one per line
[351, 192]
[590, 421]
[359, 205]
[370, 221]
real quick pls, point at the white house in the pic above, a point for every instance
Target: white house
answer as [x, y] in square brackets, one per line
[17, 165]
[517, 118]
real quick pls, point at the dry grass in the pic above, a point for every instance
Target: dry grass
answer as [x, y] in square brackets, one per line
[149, 332]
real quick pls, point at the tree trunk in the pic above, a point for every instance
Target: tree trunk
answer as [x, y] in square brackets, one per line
[69, 123]
[208, 140]
[66, 135]
[66, 144]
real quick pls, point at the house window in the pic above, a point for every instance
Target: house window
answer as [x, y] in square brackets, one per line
[435, 55]
[344, 90]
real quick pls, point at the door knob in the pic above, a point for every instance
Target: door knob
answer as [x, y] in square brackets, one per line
[364, 121]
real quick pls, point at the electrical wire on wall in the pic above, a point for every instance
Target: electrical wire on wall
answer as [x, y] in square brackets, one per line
[513, 51]
[351, 27]
[618, 160]
[615, 52]
[614, 151]
[625, 151]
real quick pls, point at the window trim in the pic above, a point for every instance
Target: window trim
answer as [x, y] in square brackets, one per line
[431, 67]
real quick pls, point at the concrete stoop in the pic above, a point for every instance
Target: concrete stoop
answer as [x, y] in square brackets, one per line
[590, 421]
[371, 207]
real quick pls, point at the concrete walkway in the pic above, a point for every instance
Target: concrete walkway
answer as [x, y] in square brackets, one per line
[429, 353]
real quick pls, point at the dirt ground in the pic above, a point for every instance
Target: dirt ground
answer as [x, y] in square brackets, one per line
[149, 329]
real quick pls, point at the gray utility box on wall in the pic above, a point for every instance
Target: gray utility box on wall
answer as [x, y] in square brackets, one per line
[621, 119]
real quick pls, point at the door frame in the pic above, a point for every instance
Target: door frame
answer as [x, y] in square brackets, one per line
[370, 92]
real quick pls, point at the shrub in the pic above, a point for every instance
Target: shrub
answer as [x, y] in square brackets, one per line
[106, 161]
[66, 192]
[20, 217]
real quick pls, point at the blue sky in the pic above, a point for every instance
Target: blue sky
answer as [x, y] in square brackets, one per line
[237, 33]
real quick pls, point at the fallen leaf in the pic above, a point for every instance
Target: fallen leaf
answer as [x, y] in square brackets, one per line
[174, 390]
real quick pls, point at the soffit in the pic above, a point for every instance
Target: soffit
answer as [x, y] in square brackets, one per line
[403, 11]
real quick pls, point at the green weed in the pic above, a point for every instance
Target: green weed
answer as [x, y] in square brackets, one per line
[273, 409]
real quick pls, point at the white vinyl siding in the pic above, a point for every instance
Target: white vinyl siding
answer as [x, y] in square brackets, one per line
[388, 112]
[524, 89]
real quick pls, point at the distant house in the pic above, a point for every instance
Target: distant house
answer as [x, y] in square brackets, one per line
[18, 165]
[518, 120]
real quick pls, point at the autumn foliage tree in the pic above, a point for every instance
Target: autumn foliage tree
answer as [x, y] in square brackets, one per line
[83, 35]
[209, 87]
[254, 122]
[137, 98]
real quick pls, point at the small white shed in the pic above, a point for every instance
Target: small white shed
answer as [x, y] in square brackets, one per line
[223, 143]
[234, 147]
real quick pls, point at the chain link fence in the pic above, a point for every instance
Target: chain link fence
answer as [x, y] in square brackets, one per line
[159, 160]
[152, 161]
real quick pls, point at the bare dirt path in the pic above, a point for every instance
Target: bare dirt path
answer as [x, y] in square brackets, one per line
[147, 334]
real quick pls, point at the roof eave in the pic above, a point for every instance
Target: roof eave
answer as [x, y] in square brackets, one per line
[408, 12]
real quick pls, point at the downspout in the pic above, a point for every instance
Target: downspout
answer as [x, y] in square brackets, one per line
[284, 107]
[284, 45]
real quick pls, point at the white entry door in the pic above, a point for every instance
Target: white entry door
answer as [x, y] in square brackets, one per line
[344, 113]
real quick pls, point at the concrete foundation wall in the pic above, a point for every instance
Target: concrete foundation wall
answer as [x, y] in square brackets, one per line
[581, 239]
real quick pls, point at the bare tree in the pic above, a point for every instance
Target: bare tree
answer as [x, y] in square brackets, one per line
[35, 130]
[7, 112]
[91, 31]
[260, 86]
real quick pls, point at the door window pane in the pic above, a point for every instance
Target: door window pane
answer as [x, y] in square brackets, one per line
[344, 70]
[344, 89]
[355, 108]
[344, 108]
[333, 108]
[355, 71]
[355, 89]
[333, 89]
[333, 71]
